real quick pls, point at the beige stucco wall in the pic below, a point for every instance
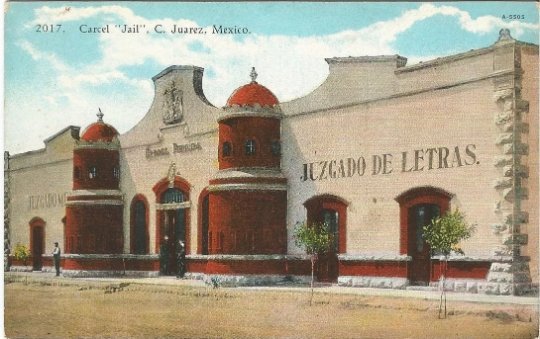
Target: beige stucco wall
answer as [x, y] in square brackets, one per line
[38, 182]
[447, 118]
[140, 175]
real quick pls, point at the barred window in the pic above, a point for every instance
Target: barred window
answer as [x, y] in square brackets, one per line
[226, 150]
[92, 172]
[250, 147]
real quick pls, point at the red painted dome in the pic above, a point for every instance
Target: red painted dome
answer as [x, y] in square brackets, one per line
[99, 131]
[251, 94]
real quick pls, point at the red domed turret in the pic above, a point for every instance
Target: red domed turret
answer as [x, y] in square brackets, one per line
[252, 94]
[96, 162]
[94, 208]
[99, 131]
[247, 204]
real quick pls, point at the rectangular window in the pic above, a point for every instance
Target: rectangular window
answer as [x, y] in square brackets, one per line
[250, 147]
[92, 172]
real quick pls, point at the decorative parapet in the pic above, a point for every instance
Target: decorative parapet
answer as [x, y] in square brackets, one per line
[398, 60]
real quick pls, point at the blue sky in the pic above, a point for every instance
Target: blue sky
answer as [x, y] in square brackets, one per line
[57, 79]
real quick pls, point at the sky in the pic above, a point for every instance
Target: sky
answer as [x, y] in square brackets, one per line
[60, 78]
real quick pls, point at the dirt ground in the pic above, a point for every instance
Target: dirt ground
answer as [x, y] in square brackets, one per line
[67, 308]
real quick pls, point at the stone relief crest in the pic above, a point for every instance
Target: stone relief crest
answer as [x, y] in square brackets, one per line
[171, 174]
[172, 104]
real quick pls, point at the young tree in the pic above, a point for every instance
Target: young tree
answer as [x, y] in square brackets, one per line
[315, 239]
[443, 236]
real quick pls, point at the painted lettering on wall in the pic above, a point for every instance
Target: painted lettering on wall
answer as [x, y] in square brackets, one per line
[176, 148]
[157, 152]
[423, 159]
[186, 147]
[48, 200]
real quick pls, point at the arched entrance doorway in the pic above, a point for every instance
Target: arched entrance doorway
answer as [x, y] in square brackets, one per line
[331, 210]
[418, 207]
[37, 242]
[172, 211]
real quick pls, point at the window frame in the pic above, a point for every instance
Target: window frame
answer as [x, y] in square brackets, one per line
[92, 172]
[226, 149]
[250, 147]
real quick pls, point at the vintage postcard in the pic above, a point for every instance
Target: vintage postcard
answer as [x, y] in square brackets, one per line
[271, 169]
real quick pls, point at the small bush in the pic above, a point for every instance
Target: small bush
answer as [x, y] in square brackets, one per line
[21, 252]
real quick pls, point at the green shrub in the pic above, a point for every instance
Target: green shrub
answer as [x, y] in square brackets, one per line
[21, 252]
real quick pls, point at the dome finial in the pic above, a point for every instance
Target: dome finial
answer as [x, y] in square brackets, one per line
[100, 114]
[504, 34]
[253, 74]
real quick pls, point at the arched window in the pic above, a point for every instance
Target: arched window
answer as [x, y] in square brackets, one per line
[139, 225]
[172, 195]
[330, 217]
[226, 150]
[331, 210]
[92, 172]
[37, 242]
[250, 147]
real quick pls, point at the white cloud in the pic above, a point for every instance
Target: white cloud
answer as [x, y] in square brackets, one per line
[290, 66]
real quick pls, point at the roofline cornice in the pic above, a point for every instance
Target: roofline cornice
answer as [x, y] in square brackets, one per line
[177, 68]
[400, 60]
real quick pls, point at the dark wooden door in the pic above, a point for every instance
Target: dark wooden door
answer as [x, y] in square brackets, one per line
[327, 268]
[38, 245]
[176, 230]
[420, 216]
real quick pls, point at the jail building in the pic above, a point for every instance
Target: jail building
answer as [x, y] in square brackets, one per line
[376, 151]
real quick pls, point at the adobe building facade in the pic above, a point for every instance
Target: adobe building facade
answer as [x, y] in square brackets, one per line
[376, 151]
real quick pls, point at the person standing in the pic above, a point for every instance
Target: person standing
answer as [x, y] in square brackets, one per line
[181, 259]
[56, 258]
[164, 256]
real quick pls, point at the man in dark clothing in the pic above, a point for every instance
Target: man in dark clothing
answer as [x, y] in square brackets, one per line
[181, 259]
[56, 258]
[164, 256]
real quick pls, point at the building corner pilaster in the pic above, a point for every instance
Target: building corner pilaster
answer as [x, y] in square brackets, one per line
[513, 276]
